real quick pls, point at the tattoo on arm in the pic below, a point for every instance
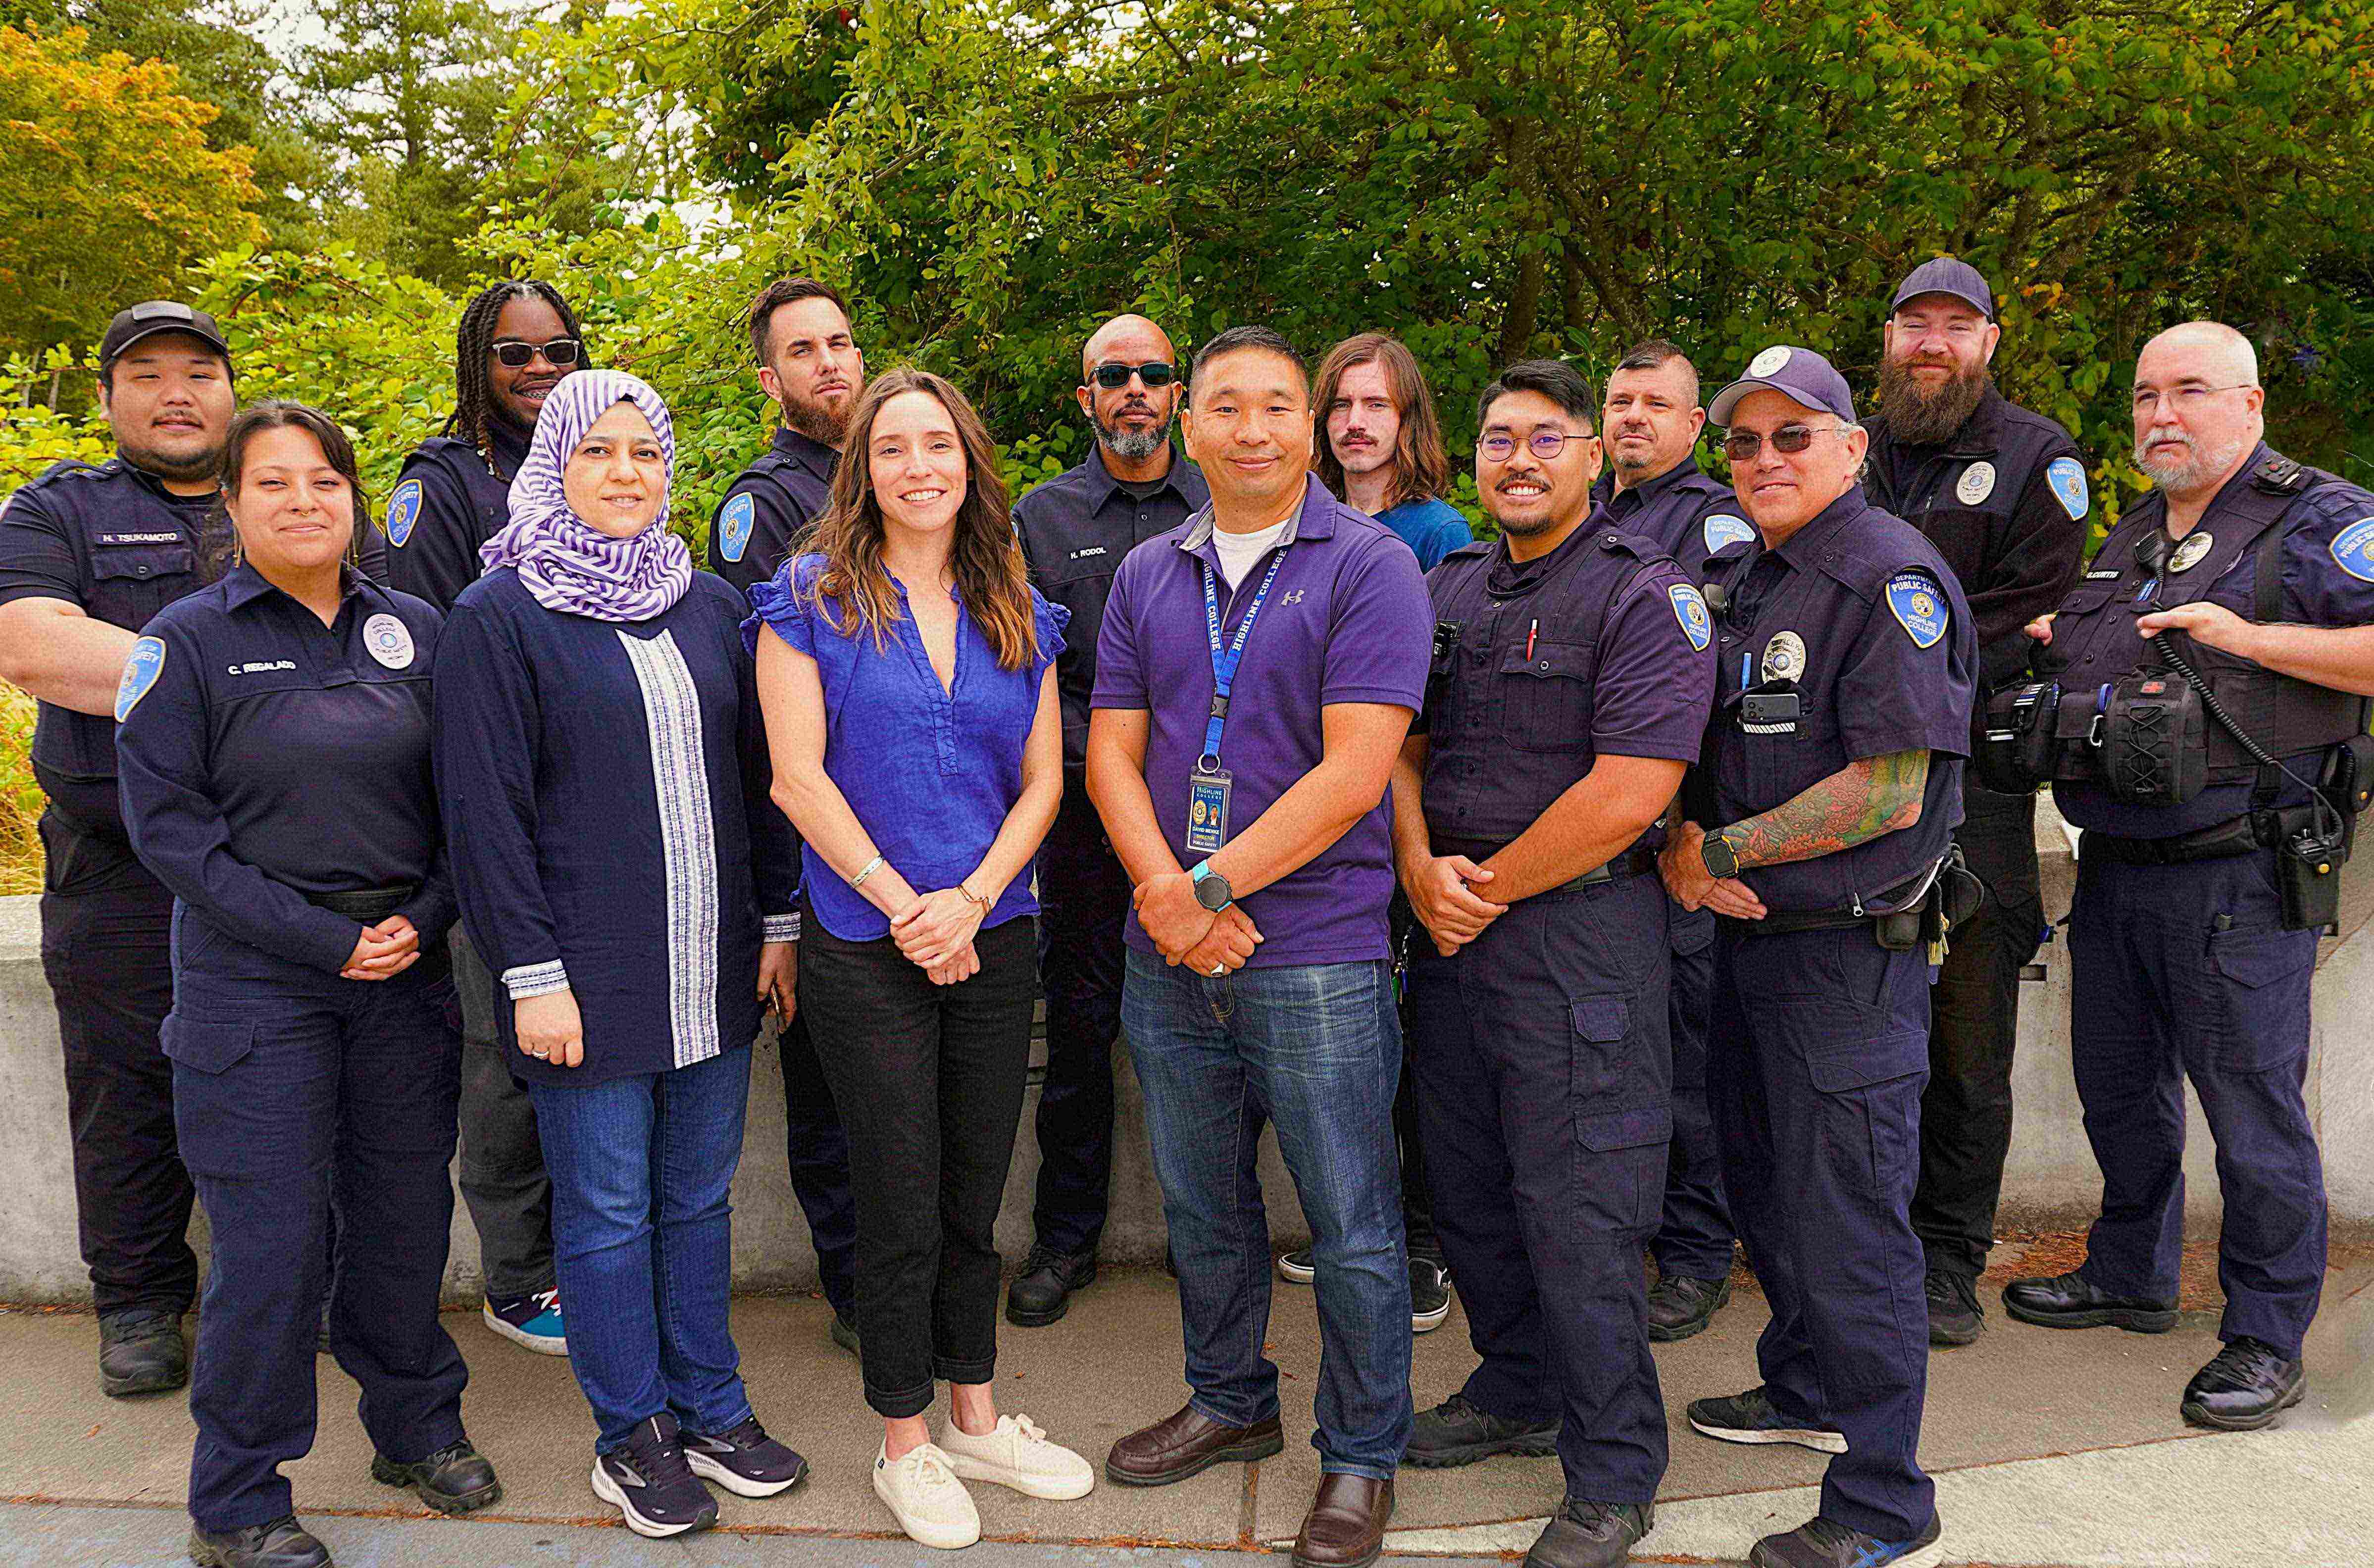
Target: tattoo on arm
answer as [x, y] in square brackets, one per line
[1860, 801]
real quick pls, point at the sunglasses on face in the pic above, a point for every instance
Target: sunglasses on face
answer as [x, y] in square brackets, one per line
[1741, 446]
[517, 355]
[1153, 373]
[1500, 446]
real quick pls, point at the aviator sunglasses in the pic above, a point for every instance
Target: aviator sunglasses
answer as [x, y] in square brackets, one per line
[516, 354]
[1113, 376]
[1741, 446]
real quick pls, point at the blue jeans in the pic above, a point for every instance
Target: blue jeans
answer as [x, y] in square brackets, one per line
[1316, 1049]
[643, 1230]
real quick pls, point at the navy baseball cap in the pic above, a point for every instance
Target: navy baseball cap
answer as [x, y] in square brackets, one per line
[1945, 274]
[153, 317]
[1799, 374]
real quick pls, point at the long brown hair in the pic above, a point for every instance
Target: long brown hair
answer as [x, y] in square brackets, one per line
[986, 558]
[1421, 467]
[273, 414]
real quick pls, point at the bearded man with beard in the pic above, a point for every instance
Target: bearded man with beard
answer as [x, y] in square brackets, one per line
[2001, 492]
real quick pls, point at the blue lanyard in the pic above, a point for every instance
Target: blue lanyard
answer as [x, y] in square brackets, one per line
[1223, 664]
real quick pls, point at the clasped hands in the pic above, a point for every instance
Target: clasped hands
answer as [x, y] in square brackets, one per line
[382, 952]
[1184, 932]
[936, 933]
[1682, 864]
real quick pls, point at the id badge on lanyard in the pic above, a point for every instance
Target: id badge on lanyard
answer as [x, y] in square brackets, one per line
[1207, 786]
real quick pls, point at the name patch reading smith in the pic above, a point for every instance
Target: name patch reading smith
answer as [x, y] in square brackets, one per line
[141, 668]
[1918, 607]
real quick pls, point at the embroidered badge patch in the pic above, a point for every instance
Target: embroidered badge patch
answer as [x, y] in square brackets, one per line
[1769, 362]
[389, 640]
[1918, 607]
[1691, 611]
[1977, 483]
[1723, 530]
[734, 526]
[2067, 477]
[403, 512]
[2352, 549]
[141, 668]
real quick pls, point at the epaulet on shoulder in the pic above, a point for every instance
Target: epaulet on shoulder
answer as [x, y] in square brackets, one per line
[1472, 547]
[71, 468]
[2281, 475]
[1616, 542]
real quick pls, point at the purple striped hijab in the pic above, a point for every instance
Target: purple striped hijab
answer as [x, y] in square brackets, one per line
[566, 564]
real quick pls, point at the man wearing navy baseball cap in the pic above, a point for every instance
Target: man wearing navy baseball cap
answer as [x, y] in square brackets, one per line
[2001, 492]
[1819, 822]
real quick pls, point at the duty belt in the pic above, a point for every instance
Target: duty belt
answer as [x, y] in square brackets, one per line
[2241, 835]
[1637, 861]
[373, 904]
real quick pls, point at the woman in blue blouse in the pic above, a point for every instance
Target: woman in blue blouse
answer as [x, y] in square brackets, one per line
[907, 670]
[603, 771]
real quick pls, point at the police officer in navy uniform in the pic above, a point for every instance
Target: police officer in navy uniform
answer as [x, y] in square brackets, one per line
[1654, 487]
[516, 342]
[2001, 492]
[1074, 530]
[1819, 827]
[2258, 574]
[1569, 691]
[275, 751]
[810, 366]
[88, 554]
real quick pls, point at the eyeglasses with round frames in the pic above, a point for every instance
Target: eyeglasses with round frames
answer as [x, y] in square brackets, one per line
[1500, 446]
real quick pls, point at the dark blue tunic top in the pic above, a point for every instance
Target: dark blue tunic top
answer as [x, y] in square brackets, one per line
[606, 791]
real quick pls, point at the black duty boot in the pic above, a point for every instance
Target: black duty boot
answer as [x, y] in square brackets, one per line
[283, 1543]
[141, 1351]
[2246, 1386]
[1591, 1535]
[1459, 1431]
[2066, 1300]
[1955, 1316]
[455, 1479]
[1680, 1306]
[1042, 1293]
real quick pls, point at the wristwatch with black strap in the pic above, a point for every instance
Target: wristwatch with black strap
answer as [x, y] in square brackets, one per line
[1722, 862]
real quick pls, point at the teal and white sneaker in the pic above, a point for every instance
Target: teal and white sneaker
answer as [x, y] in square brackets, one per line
[532, 1321]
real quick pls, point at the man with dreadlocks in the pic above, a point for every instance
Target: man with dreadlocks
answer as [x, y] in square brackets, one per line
[516, 341]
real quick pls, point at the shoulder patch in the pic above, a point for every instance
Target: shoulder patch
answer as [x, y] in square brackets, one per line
[1691, 611]
[734, 524]
[1721, 530]
[2352, 549]
[2067, 477]
[403, 512]
[1918, 607]
[141, 668]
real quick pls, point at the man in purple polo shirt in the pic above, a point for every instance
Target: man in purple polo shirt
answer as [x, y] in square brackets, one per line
[1257, 670]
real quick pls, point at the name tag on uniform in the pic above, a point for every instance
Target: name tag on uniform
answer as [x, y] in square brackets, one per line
[1207, 813]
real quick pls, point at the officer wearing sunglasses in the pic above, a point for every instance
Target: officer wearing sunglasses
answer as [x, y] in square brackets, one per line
[1816, 827]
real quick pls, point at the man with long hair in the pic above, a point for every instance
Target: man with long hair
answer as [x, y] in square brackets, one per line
[1381, 446]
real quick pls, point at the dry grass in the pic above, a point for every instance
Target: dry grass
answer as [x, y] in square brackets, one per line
[20, 798]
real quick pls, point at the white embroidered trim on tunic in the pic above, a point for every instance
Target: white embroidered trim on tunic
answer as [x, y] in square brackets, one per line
[782, 927]
[687, 841]
[536, 979]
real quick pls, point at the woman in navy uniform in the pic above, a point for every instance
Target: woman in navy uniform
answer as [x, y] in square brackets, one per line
[274, 750]
[604, 778]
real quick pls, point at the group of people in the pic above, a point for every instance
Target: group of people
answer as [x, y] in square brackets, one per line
[1620, 882]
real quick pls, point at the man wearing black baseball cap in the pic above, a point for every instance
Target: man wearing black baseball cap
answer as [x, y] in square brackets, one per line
[88, 554]
[2001, 492]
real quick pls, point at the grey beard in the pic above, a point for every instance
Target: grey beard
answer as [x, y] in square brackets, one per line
[1919, 419]
[1133, 446]
[2189, 473]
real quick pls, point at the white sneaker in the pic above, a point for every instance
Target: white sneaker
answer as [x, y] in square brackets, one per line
[922, 1491]
[1018, 1454]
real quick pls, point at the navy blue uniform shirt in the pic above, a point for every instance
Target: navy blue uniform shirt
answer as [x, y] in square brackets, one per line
[768, 506]
[447, 502]
[1075, 529]
[1694, 518]
[1857, 616]
[266, 757]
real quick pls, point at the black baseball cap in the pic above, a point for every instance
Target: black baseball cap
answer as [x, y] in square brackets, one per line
[153, 317]
[1945, 274]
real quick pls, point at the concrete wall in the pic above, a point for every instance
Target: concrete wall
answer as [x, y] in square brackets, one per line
[2051, 1177]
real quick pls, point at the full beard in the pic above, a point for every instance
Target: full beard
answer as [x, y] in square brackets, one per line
[2195, 469]
[1132, 446]
[819, 421]
[1919, 418]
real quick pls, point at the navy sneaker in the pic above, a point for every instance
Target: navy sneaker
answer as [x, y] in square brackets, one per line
[745, 1461]
[532, 1321]
[1825, 1544]
[648, 1481]
[1750, 1418]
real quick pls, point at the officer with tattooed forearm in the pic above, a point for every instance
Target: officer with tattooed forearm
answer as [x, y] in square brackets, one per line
[1818, 825]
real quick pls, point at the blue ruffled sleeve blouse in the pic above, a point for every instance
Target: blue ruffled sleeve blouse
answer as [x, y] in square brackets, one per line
[932, 773]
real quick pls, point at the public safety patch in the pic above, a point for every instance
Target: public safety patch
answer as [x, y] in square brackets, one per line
[1977, 483]
[2352, 549]
[1769, 362]
[1723, 530]
[403, 512]
[1691, 611]
[389, 640]
[1918, 607]
[2067, 477]
[141, 668]
[734, 526]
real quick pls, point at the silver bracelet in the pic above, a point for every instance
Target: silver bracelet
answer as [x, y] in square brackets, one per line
[871, 866]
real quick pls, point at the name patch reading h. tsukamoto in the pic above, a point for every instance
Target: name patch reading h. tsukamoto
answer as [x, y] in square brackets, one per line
[1918, 607]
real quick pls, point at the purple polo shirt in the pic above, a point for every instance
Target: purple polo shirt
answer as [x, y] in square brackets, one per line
[1347, 620]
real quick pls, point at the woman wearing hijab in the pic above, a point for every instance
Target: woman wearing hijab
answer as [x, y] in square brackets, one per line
[622, 871]
[909, 673]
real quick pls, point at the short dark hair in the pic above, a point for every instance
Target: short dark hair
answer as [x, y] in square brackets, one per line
[1241, 337]
[1655, 354]
[775, 296]
[1554, 379]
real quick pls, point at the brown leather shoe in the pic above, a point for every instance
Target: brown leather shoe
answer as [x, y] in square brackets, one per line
[1187, 1444]
[1346, 1528]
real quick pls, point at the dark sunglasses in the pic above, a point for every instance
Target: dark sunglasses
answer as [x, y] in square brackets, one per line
[510, 351]
[1742, 446]
[1153, 373]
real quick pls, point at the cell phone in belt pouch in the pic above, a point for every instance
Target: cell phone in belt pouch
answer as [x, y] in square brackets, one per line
[1207, 812]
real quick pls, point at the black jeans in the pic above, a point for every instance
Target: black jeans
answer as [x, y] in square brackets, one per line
[930, 1080]
[502, 1177]
[1084, 898]
[1966, 1111]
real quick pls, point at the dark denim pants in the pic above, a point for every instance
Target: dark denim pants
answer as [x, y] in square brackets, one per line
[642, 1169]
[1316, 1049]
[504, 1182]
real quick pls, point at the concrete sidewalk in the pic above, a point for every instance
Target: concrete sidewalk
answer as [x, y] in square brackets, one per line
[2052, 1450]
